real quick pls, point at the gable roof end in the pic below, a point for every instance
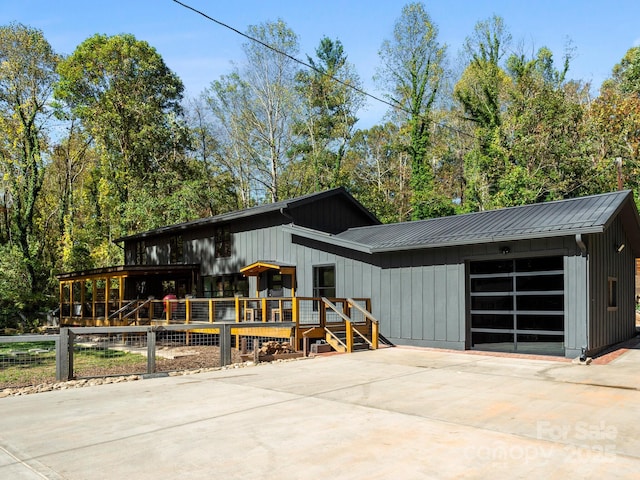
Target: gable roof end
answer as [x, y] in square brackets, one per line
[280, 206]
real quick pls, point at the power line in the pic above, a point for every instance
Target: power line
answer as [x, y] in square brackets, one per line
[280, 52]
[395, 105]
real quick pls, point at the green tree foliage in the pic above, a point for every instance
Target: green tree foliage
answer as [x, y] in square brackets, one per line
[27, 77]
[614, 122]
[129, 102]
[381, 172]
[412, 70]
[228, 99]
[542, 129]
[481, 91]
[329, 105]
[626, 74]
[255, 107]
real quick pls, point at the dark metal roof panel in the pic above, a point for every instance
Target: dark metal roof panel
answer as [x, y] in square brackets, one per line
[253, 211]
[564, 217]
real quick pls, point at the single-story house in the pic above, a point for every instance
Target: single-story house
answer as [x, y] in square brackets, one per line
[555, 278]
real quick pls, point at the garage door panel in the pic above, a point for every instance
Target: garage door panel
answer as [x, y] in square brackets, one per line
[518, 304]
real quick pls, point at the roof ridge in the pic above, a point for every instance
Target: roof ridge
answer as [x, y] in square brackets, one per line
[504, 209]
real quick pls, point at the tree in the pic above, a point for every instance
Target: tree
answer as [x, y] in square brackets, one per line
[229, 101]
[614, 121]
[543, 133]
[481, 92]
[412, 70]
[27, 78]
[129, 102]
[626, 74]
[270, 76]
[329, 105]
[255, 107]
[380, 172]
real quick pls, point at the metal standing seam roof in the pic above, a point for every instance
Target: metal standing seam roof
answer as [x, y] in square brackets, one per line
[253, 211]
[583, 215]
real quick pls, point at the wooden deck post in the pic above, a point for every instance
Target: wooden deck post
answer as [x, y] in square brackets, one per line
[349, 331]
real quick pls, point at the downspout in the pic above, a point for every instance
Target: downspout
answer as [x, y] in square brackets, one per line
[581, 245]
[583, 249]
[284, 213]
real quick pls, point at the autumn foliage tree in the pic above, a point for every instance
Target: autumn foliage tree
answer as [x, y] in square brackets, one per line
[27, 77]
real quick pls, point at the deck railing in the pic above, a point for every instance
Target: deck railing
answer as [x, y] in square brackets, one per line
[310, 315]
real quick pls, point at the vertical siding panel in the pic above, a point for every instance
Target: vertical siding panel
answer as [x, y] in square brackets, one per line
[428, 302]
[418, 316]
[440, 303]
[452, 302]
[376, 307]
[576, 302]
[392, 291]
[609, 327]
[405, 301]
[366, 280]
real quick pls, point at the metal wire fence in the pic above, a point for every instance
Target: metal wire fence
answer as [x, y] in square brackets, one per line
[86, 352]
[27, 360]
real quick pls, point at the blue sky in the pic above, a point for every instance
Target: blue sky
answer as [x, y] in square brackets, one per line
[199, 51]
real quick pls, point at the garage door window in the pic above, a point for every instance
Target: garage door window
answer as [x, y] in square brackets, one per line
[518, 305]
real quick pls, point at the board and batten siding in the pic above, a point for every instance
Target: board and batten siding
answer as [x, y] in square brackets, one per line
[417, 296]
[610, 325]
[576, 303]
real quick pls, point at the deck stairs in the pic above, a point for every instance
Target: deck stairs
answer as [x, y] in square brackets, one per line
[349, 336]
[338, 341]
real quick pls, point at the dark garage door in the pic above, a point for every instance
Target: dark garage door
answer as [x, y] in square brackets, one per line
[517, 305]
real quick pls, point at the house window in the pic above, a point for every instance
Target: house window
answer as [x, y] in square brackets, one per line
[612, 303]
[226, 286]
[141, 253]
[324, 281]
[176, 250]
[222, 240]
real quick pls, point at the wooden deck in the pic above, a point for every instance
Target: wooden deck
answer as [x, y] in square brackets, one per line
[344, 323]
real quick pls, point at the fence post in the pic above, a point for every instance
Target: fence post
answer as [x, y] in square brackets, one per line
[151, 351]
[64, 355]
[225, 344]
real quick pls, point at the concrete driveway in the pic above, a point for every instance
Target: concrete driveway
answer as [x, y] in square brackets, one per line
[386, 414]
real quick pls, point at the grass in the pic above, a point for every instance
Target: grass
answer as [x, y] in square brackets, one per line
[33, 363]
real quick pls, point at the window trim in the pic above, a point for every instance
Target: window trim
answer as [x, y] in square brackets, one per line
[222, 242]
[316, 288]
[140, 254]
[176, 250]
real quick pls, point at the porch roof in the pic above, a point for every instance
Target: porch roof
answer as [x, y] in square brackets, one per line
[256, 268]
[128, 271]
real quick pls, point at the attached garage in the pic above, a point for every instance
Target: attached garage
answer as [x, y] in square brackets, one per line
[554, 278]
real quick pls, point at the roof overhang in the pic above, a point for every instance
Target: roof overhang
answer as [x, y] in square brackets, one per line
[257, 268]
[129, 271]
[326, 238]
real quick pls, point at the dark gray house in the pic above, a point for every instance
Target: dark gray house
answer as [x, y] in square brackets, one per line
[555, 278]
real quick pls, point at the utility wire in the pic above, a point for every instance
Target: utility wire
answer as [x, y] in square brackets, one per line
[280, 52]
[395, 105]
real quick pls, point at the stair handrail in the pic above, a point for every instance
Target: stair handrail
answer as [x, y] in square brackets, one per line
[138, 308]
[335, 337]
[355, 330]
[347, 323]
[122, 309]
[375, 324]
[334, 307]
